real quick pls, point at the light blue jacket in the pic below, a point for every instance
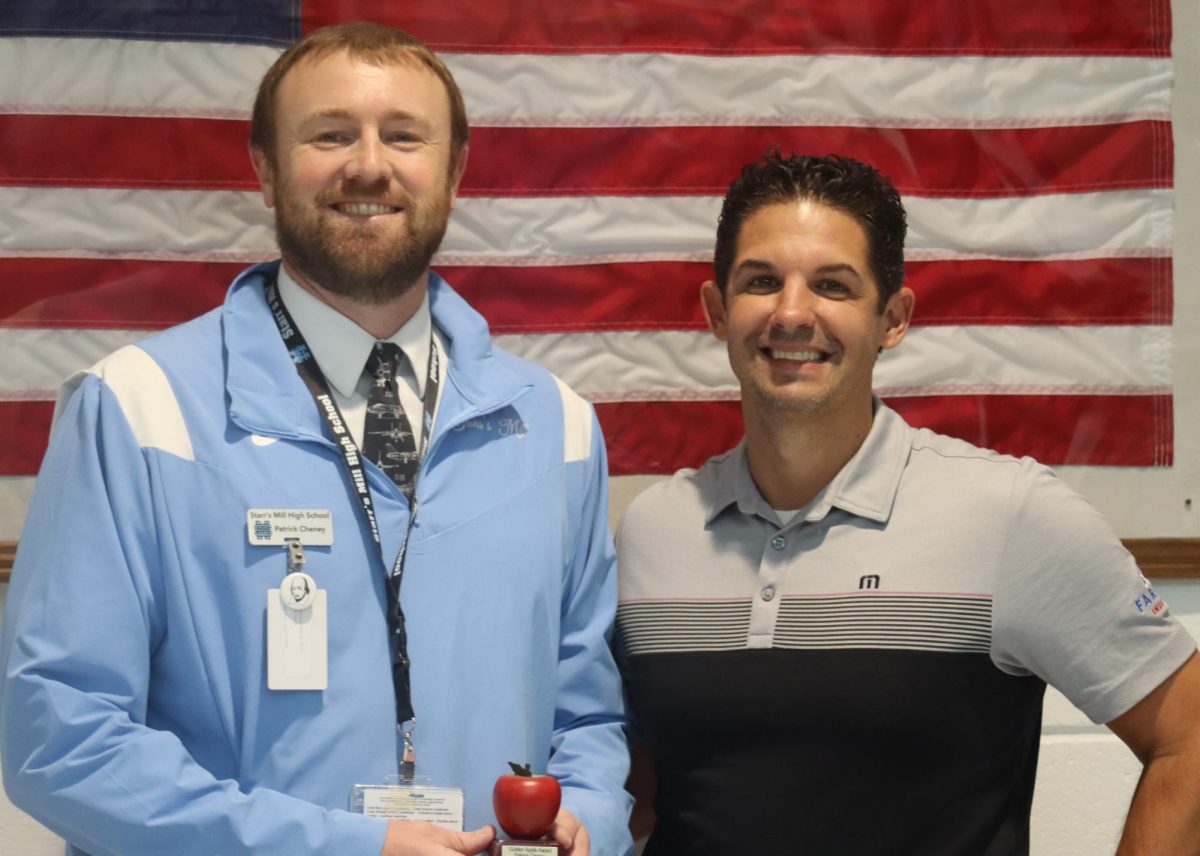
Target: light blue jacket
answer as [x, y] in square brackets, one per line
[136, 718]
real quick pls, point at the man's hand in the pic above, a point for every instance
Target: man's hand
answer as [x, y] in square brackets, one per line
[406, 838]
[571, 835]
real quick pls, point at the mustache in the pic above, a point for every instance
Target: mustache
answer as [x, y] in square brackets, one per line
[803, 336]
[378, 192]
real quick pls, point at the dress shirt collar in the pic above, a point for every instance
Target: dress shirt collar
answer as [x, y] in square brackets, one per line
[341, 347]
[866, 486]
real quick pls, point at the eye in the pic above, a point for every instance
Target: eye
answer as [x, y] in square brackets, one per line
[832, 287]
[330, 138]
[402, 139]
[761, 283]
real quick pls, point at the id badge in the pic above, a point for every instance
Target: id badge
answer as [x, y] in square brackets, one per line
[297, 635]
[417, 800]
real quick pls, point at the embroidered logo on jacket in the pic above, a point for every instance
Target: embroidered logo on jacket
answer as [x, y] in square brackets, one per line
[504, 427]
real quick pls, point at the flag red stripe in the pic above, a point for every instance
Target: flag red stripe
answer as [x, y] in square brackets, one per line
[123, 294]
[125, 151]
[59, 151]
[665, 295]
[1057, 292]
[133, 294]
[659, 438]
[1127, 431]
[25, 427]
[747, 27]
[1097, 430]
[703, 160]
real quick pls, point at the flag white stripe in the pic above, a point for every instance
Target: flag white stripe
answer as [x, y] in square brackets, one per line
[35, 361]
[125, 223]
[943, 360]
[869, 91]
[133, 77]
[15, 493]
[692, 365]
[205, 79]
[235, 226]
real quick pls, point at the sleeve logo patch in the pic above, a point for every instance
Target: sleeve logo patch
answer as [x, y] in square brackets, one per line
[1149, 603]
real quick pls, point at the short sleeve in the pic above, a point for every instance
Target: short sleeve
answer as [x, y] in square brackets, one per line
[1073, 608]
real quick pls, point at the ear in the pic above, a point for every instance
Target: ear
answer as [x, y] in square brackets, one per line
[713, 304]
[266, 176]
[897, 315]
[457, 172]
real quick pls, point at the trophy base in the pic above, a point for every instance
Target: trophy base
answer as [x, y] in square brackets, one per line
[515, 847]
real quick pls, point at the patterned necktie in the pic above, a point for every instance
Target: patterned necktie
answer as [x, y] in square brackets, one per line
[388, 440]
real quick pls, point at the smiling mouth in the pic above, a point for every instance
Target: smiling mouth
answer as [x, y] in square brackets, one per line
[365, 209]
[798, 356]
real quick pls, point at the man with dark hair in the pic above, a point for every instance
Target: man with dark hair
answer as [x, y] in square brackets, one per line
[836, 637]
[344, 413]
[850, 186]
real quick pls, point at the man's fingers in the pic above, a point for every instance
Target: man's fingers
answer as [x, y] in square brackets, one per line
[426, 839]
[474, 841]
[571, 834]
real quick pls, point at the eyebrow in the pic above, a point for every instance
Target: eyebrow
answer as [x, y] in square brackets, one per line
[752, 264]
[338, 113]
[841, 267]
[757, 265]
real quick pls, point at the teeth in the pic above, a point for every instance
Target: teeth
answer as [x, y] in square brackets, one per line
[365, 209]
[798, 356]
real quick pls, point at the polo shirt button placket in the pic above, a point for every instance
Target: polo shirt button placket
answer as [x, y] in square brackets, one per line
[764, 609]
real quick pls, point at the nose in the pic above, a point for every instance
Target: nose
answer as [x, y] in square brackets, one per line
[795, 306]
[368, 160]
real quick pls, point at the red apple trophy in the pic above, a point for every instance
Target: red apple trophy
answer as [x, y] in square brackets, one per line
[526, 806]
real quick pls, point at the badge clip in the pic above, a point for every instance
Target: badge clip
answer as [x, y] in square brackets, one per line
[296, 558]
[298, 589]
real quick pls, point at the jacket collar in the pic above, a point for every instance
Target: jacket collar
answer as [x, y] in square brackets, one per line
[267, 396]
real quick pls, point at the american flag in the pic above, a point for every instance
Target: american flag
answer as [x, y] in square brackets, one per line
[1030, 139]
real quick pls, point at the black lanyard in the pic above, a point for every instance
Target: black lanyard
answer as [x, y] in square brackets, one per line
[310, 373]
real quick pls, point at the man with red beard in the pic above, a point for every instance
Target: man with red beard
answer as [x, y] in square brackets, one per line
[341, 428]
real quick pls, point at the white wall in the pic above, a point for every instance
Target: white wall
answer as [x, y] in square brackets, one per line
[1086, 775]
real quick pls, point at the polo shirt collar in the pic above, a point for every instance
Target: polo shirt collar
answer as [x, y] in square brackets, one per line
[341, 347]
[866, 486]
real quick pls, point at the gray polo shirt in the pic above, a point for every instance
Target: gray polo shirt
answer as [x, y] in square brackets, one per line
[883, 655]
